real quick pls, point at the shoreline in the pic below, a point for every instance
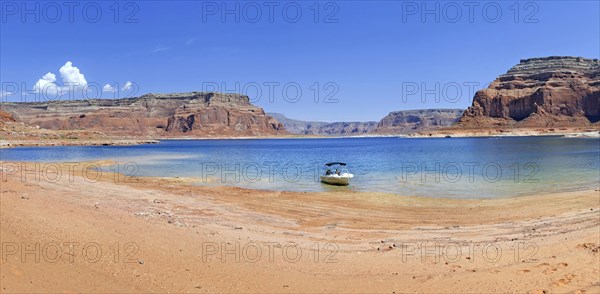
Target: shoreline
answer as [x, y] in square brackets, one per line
[20, 170]
[99, 142]
[517, 132]
[213, 183]
[434, 135]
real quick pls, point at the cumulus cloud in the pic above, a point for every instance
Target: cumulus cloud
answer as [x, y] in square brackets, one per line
[71, 76]
[47, 85]
[73, 81]
[128, 85]
[108, 88]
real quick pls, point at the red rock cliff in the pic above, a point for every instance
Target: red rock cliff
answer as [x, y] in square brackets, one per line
[539, 92]
[162, 115]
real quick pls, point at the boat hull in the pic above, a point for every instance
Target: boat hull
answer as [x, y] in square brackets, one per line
[336, 180]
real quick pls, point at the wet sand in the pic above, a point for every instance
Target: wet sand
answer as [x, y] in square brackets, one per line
[117, 234]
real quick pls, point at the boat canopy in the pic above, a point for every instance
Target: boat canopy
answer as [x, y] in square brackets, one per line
[334, 163]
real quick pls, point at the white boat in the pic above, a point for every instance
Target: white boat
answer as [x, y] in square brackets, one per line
[340, 176]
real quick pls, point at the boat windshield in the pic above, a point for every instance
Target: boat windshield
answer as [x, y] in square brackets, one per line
[335, 168]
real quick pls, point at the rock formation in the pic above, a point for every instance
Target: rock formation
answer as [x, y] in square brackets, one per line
[539, 93]
[300, 127]
[410, 121]
[158, 115]
[5, 117]
[397, 122]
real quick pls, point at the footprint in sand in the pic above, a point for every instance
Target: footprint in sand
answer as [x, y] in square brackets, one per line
[422, 278]
[564, 281]
[591, 247]
[551, 270]
[542, 264]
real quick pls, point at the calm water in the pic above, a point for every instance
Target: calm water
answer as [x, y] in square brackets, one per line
[455, 168]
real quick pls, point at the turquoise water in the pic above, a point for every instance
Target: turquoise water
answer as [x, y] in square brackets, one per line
[454, 167]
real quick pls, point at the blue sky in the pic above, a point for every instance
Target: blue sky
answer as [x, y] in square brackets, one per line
[365, 58]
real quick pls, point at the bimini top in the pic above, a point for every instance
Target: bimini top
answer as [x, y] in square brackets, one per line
[334, 163]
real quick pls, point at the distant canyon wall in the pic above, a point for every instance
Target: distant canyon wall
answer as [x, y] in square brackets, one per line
[421, 120]
[300, 127]
[397, 122]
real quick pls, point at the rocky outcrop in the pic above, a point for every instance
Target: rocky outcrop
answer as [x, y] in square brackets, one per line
[410, 121]
[159, 115]
[300, 127]
[5, 117]
[539, 93]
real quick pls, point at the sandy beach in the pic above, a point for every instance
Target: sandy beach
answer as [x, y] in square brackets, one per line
[84, 231]
[516, 132]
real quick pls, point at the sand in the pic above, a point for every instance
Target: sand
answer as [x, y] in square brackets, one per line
[116, 234]
[571, 132]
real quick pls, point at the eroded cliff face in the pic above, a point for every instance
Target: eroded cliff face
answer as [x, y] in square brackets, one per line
[410, 121]
[539, 92]
[160, 115]
[5, 117]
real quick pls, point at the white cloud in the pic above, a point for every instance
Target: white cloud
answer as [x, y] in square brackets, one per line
[73, 80]
[47, 85]
[5, 93]
[108, 88]
[128, 85]
[71, 76]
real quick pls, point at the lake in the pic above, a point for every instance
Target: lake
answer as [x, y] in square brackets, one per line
[438, 167]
